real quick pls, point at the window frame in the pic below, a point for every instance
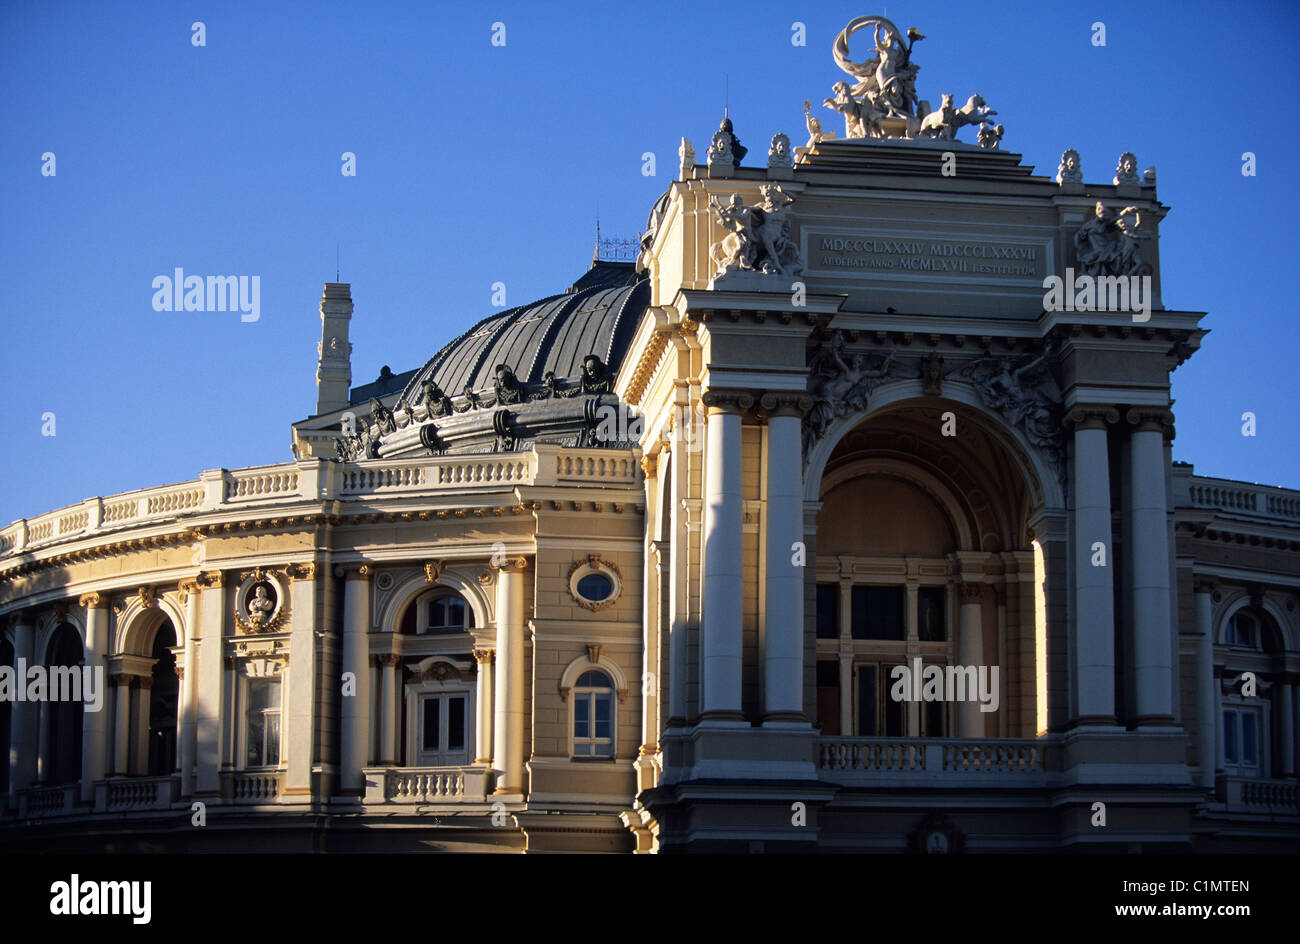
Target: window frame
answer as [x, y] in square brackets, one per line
[246, 714]
[589, 694]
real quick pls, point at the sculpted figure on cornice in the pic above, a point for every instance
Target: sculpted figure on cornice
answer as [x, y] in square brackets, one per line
[1070, 171]
[436, 403]
[882, 102]
[506, 386]
[759, 238]
[1021, 388]
[778, 155]
[841, 384]
[1107, 244]
[382, 417]
[726, 147]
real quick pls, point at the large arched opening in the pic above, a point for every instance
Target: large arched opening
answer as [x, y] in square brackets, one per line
[927, 614]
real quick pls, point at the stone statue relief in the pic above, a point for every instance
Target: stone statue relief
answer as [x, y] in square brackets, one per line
[1107, 244]
[759, 238]
[506, 386]
[1070, 171]
[778, 155]
[882, 101]
[1023, 390]
[726, 147]
[1126, 171]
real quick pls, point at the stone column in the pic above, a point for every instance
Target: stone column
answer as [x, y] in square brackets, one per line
[846, 658]
[970, 648]
[1286, 730]
[509, 709]
[1149, 567]
[783, 586]
[94, 727]
[143, 689]
[484, 707]
[1207, 720]
[299, 736]
[354, 711]
[23, 717]
[122, 726]
[679, 553]
[388, 711]
[1094, 594]
[210, 715]
[723, 558]
[188, 747]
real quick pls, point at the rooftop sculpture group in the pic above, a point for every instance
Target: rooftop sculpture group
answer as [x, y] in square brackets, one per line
[883, 103]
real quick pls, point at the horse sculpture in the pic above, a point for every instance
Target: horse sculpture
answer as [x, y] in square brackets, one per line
[945, 121]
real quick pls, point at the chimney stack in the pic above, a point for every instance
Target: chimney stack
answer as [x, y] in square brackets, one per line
[334, 366]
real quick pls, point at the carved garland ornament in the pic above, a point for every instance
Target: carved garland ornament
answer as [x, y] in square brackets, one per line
[594, 563]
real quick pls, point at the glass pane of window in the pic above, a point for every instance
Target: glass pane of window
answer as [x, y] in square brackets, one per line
[858, 626]
[455, 612]
[581, 714]
[593, 680]
[263, 693]
[828, 611]
[456, 723]
[429, 738]
[604, 750]
[595, 587]
[932, 717]
[866, 701]
[582, 750]
[602, 715]
[1230, 737]
[273, 738]
[929, 615]
[1249, 738]
[893, 716]
[256, 732]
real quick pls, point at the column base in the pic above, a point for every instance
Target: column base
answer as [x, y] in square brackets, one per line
[723, 715]
[1092, 721]
[785, 719]
[1155, 721]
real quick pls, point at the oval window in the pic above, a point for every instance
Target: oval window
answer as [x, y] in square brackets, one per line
[595, 587]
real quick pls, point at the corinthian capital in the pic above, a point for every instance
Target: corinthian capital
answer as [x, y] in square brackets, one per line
[93, 599]
[509, 565]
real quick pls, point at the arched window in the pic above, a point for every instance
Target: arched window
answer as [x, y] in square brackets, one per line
[1250, 729]
[163, 698]
[439, 612]
[65, 656]
[593, 716]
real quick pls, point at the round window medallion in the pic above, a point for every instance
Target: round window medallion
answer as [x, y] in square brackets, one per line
[384, 581]
[595, 587]
[594, 583]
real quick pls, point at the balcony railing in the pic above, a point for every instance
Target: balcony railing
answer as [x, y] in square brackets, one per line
[1241, 498]
[425, 785]
[137, 793]
[317, 480]
[1268, 797]
[942, 761]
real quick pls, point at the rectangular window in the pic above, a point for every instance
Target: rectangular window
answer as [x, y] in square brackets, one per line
[933, 717]
[432, 717]
[867, 701]
[443, 736]
[878, 613]
[828, 611]
[1242, 739]
[828, 697]
[930, 615]
[262, 735]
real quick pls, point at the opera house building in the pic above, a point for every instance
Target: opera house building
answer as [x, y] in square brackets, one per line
[819, 521]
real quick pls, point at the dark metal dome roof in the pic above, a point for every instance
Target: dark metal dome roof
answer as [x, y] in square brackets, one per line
[597, 316]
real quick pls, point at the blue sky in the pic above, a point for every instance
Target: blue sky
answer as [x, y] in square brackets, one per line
[478, 164]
